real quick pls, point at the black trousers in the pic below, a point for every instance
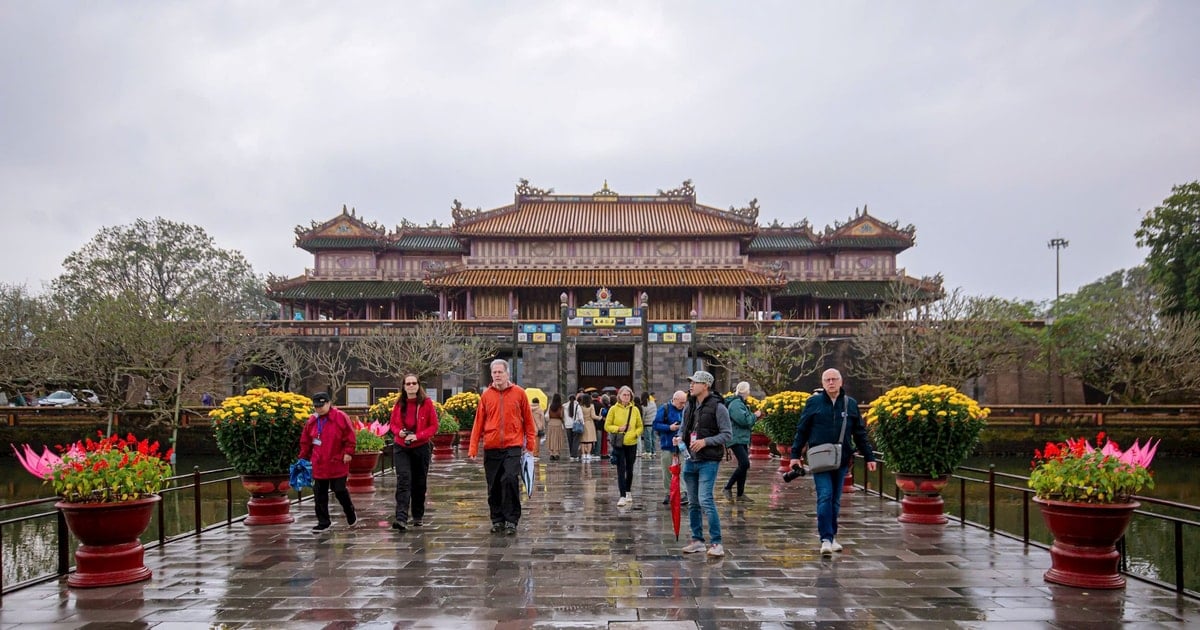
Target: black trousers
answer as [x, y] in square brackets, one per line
[626, 459]
[573, 441]
[321, 488]
[502, 467]
[742, 453]
[412, 478]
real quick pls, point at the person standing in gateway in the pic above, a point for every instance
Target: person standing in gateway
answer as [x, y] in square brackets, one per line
[505, 421]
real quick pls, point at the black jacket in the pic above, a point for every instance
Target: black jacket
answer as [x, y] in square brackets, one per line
[710, 422]
[821, 420]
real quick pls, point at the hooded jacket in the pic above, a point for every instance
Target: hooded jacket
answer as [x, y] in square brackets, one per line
[504, 419]
[337, 439]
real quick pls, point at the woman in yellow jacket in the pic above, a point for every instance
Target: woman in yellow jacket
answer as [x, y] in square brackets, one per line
[624, 419]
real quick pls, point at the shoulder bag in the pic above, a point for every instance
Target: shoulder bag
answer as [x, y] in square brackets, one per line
[827, 457]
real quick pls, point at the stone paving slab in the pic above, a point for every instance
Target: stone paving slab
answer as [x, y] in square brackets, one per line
[579, 561]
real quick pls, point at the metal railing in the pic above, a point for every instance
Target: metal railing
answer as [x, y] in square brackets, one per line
[191, 482]
[992, 481]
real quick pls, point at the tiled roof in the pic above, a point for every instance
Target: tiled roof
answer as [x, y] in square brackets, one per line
[626, 219]
[876, 290]
[429, 243]
[335, 242]
[867, 242]
[571, 278]
[350, 289]
[780, 242]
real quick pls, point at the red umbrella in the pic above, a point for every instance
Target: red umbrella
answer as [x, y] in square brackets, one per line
[675, 468]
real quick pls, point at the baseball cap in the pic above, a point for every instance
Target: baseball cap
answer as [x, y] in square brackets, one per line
[320, 398]
[702, 377]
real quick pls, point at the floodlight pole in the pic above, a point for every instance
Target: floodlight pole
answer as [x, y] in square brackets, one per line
[1057, 244]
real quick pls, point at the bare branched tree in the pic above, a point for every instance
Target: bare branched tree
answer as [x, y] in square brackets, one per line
[282, 357]
[775, 356]
[331, 361]
[430, 349]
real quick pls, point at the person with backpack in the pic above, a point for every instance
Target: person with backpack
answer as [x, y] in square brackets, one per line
[573, 423]
[742, 420]
[666, 425]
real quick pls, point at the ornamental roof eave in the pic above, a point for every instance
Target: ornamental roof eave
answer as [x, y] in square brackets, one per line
[579, 278]
[344, 231]
[863, 290]
[348, 290]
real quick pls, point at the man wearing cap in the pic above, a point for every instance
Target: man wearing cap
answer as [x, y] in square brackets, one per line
[328, 442]
[705, 431]
[504, 420]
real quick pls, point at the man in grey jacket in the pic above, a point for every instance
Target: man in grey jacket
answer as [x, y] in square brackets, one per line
[702, 438]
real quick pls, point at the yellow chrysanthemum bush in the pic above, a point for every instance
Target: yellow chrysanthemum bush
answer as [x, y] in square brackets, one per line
[929, 429]
[462, 406]
[447, 423]
[381, 411]
[259, 432]
[781, 414]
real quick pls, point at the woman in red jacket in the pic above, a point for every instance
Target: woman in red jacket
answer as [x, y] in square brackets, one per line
[414, 421]
[328, 442]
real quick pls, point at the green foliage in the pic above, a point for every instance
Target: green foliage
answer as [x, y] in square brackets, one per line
[111, 470]
[928, 429]
[446, 421]
[259, 433]
[1068, 472]
[365, 441]
[1172, 233]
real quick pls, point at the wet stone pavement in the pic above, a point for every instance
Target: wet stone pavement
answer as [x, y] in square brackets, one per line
[579, 561]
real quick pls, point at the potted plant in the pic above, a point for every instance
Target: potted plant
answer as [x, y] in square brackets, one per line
[259, 434]
[781, 414]
[1086, 496]
[368, 444]
[443, 440]
[925, 432]
[107, 489]
[463, 406]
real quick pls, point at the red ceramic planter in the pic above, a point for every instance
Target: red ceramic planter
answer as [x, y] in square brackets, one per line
[1084, 553]
[443, 446]
[760, 446]
[362, 469]
[268, 503]
[110, 550]
[922, 503]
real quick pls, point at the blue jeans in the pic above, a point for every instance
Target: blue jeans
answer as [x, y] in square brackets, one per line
[829, 501]
[700, 477]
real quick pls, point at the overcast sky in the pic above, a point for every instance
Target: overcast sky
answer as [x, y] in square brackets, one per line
[992, 127]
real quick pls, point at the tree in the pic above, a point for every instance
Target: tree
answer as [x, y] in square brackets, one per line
[25, 363]
[430, 349]
[282, 357]
[1172, 232]
[1114, 336]
[774, 356]
[947, 342]
[330, 360]
[167, 266]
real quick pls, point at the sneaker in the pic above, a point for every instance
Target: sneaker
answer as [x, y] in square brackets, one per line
[667, 501]
[835, 545]
[510, 529]
[320, 527]
[418, 523]
[716, 550]
[696, 546]
[728, 493]
[497, 527]
[399, 526]
[352, 519]
[623, 501]
[741, 498]
[826, 548]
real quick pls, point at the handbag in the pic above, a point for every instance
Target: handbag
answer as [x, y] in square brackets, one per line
[827, 457]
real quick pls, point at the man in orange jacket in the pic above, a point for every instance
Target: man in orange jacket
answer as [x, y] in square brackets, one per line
[505, 422]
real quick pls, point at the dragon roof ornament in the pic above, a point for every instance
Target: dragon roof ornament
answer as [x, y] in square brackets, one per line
[525, 190]
[685, 190]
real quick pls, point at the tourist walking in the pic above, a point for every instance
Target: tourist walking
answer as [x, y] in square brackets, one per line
[624, 422]
[649, 412]
[556, 431]
[742, 420]
[666, 425]
[327, 441]
[828, 413]
[505, 422]
[413, 423]
[573, 423]
[705, 432]
[588, 441]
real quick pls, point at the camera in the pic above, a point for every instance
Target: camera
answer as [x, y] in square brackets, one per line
[796, 471]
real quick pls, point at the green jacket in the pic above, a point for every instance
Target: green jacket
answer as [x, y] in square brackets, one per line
[742, 419]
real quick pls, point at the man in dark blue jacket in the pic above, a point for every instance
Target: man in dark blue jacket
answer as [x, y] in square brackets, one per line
[821, 423]
[666, 424]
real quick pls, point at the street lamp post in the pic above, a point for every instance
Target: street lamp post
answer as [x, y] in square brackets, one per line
[514, 346]
[1057, 244]
[562, 343]
[692, 358]
[645, 345]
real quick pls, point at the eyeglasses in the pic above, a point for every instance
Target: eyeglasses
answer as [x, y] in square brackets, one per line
[407, 384]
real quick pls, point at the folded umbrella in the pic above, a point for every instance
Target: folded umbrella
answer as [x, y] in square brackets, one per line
[527, 472]
[301, 474]
[675, 499]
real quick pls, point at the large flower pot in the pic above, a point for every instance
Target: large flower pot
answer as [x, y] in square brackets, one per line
[362, 469]
[1084, 553]
[760, 446]
[110, 550]
[464, 440]
[443, 446]
[268, 503]
[785, 457]
[922, 502]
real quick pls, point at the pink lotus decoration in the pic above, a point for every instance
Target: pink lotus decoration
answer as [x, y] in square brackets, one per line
[42, 466]
[375, 427]
[1135, 455]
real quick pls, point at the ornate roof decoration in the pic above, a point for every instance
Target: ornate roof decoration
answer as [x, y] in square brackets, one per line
[525, 190]
[685, 190]
[867, 232]
[346, 231]
[604, 194]
[580, 278]
[462, 214]
[749, 212]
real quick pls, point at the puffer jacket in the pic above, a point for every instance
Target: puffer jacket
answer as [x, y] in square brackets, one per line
[504, 419]
[337, 440]
[617, 417]
[742, 419]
